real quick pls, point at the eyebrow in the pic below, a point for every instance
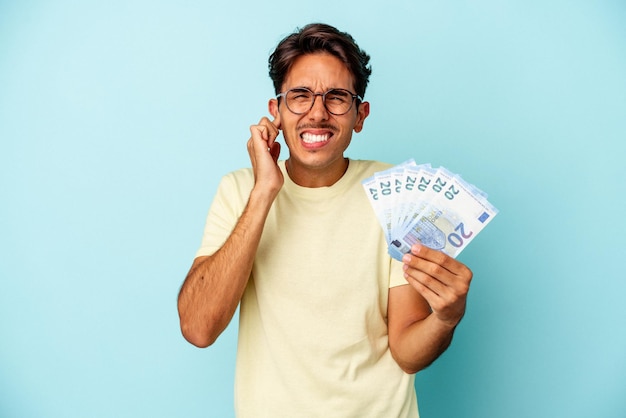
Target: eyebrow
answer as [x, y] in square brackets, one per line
[309, 88]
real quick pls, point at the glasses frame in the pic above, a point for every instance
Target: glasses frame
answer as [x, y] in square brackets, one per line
[353, 95]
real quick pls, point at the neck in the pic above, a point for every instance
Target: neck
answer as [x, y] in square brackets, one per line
[316, 176]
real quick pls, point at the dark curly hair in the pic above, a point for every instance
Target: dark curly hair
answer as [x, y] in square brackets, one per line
[316, 38]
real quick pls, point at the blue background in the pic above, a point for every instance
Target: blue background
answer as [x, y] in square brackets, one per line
[118, 118]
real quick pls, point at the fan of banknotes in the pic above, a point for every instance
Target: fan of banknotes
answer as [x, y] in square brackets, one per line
[433, 206]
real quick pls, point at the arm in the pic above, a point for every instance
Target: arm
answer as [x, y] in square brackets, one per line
[215, 284]
[423, 315]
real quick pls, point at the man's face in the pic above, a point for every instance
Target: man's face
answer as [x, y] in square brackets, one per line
[317, 139]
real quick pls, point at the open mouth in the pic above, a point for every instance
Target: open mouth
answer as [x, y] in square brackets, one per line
[315, 138]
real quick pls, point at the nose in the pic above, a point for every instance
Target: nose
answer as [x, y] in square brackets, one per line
[318, 110]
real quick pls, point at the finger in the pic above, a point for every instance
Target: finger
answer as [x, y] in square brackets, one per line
[277, 122]
[437, 265]
[258, 143]
[264, 134]
[441, 280]
[438, 258]
[274, 127]
[271, 131]
[261, 146]
[447, 300]
[275, 151]
[435, 268]
[416, 275]
[259, 132]
[448, 306]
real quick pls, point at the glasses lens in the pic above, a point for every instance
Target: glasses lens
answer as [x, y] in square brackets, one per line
[299, 100]
[338, 101]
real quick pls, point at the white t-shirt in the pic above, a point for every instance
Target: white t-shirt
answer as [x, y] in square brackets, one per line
[313, 320]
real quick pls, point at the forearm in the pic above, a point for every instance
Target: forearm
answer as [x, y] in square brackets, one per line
[215, 284]
[422, 316]
[421, 343]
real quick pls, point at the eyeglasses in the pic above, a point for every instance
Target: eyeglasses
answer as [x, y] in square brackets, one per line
[336, 101]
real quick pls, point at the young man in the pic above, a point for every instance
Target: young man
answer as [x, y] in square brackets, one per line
[330, 325]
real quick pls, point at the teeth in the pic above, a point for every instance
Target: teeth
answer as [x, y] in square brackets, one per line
[311, 139]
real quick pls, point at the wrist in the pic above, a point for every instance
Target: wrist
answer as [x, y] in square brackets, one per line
[446, 324]
[263, 196]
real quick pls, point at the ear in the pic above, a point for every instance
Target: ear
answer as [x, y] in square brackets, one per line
[272, 106]
[362, 113]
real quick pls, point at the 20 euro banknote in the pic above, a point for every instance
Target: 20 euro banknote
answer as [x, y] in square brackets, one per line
[435, 207]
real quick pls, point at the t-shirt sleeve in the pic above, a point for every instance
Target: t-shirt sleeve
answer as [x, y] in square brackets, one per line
[224, 212]
[396, 274]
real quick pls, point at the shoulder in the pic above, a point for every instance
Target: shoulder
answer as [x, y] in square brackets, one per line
[366, 168]
[241, 175]
[242, 178]
[239, 183]
[235, 185]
